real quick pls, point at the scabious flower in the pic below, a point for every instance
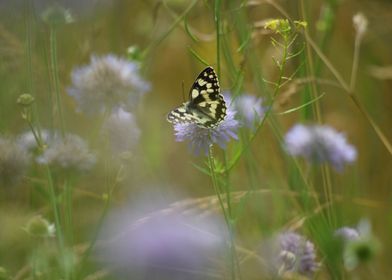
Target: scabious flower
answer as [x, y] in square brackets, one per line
[347, 233]
[201, 138]
[107, 83]
[319, 144]
[289, 252]
[122, 131]
[27, 140]
[162, 245]
[14, 162]
[249, 109]
[68, 152]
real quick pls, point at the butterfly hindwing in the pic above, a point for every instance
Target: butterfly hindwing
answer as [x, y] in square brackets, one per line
[206, 107]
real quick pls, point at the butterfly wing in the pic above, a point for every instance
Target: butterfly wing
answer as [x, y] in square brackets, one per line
[206, 107]
[182, 114]
[205, 98]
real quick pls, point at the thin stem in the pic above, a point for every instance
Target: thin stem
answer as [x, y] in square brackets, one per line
[269, 108]
[218, 34]
[351, 94]
[215, 184]
[354, 69]
[56, 214]
[327, 186]
[55, 71]
[101, 220]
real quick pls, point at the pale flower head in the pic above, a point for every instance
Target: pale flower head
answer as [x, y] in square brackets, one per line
[107, 84]
[69, 152]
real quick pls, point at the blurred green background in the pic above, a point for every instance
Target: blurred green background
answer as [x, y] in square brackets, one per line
[164, 166]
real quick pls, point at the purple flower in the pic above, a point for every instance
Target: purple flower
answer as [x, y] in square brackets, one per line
[319, 144]
[347, 233]
[108, 83]
[162, 245]
[250, 109]
[290, 252]
[201, 138]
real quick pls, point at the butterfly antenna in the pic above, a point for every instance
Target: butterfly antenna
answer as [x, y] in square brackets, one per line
[183, 91]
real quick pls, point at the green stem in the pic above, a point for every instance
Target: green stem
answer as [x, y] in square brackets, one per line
[56, 214]
[327, 186]
[384, 140]
[269, 108]
[217, 18]
[55, 71]
[233, 254]
[108, 199]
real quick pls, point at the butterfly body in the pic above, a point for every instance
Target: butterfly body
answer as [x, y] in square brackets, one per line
[206, 106]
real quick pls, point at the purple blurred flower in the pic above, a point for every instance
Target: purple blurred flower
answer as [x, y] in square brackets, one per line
[290, 252]
[162, 245]
[347, 233]
[250, 109]
[122, 131]
[70, 152]
[320, 144]
[201, 138]
[108, 82]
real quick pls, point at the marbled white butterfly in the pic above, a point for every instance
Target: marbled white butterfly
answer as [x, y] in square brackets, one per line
[206, 106]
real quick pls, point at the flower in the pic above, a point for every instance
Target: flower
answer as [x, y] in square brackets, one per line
[201, 138]
[27, 140]
[162, 245]
[14, 161]
[347, 233]
[290, 252]
[122, 132]
[319, 144]
[40, 227]
[109, 82]
[359, 245]
[70, 152]
[249, 109]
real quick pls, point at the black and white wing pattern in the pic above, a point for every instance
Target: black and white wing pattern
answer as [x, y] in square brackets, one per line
[206, 106]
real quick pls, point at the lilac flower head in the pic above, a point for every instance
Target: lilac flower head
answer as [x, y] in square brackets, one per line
[250, 109]
[319, 144]
[290, 252]
[347, 233]
[162, 245]
[108, 82]
[122, 131]
[70, 152]
[201, 138]
[14, 162]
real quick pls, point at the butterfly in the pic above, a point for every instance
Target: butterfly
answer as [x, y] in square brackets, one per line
[206, 107]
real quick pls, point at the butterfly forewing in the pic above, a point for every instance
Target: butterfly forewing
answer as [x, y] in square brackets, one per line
[206, 107]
